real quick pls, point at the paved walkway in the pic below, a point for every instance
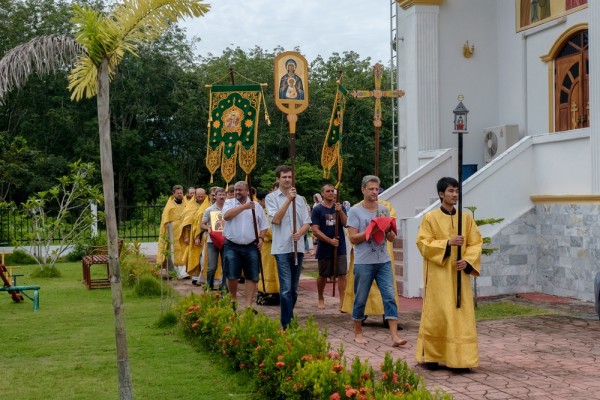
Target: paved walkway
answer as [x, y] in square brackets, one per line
[546, 357]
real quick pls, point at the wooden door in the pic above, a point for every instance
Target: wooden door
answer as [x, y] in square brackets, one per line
[572, 84]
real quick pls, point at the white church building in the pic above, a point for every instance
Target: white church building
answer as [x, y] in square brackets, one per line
[526, 71]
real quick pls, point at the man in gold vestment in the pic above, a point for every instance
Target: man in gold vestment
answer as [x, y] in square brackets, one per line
[448, 334]
[173, 214]
[190, 221]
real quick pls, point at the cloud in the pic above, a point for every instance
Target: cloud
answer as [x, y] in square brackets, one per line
[317, 27]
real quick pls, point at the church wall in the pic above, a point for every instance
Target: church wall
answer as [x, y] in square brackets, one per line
[510, 80]
[552, 249]
[474, 21]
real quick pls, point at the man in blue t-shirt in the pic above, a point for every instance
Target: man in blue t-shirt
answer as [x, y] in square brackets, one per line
[325, 217]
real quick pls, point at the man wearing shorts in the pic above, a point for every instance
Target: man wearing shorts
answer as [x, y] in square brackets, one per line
[243, 240]
[325, 217]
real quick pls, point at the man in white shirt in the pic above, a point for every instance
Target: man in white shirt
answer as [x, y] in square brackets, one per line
[288, 242]
[244, 236]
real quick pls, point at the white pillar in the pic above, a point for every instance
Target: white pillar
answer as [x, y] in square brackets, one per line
[594, 54]
[421, 80]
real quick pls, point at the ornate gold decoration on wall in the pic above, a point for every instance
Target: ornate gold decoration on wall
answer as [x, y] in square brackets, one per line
[468, 50]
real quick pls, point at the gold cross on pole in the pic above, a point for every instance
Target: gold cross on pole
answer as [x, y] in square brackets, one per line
[377, 93]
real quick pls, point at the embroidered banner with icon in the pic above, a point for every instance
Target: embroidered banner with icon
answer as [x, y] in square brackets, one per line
[232, 129]
[331, 153]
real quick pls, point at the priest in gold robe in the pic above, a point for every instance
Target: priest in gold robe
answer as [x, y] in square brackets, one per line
[197, 246]
[447, 334]
[171, 249]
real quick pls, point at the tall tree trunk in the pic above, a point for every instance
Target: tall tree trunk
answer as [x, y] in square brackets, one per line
[108, 185]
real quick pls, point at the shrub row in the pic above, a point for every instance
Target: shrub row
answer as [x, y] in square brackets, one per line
[297, 363]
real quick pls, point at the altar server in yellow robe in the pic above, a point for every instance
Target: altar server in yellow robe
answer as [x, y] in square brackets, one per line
[173, 213]
[448, 334]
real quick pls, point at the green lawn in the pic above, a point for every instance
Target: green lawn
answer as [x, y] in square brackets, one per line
[67, 349]
[506, 309]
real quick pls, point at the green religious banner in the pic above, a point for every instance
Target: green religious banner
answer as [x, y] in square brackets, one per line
[233, 129]
[331, 153]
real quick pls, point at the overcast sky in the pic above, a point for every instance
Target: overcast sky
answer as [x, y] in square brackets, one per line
[317, 27]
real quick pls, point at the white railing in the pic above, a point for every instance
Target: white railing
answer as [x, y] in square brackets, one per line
[548, 164]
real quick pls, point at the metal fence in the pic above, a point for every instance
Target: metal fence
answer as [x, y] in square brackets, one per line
[140, 223]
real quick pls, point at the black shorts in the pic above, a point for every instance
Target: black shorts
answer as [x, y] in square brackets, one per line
[326, 266]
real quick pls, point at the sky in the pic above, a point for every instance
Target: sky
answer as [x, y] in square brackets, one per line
[317, 27]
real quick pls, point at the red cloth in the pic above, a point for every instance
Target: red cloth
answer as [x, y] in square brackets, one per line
[378, 226]
[217, 238]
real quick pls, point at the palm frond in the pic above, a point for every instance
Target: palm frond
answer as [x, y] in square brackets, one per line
[143, 21]
[42, 55]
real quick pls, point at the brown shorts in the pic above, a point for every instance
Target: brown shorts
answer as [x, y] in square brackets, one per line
[326, 266]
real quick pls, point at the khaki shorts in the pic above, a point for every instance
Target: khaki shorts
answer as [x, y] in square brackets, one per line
[326, 266]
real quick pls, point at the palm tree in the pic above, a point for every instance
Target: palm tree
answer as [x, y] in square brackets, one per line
[100, 42]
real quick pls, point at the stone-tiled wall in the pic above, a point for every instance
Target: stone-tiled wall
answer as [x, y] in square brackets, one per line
[553, 249]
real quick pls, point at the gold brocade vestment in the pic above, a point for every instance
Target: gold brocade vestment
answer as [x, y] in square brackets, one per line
[447, 334]
[174, 214]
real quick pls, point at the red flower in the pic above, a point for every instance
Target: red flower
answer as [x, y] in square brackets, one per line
[269, 340]
[334, 355]
[384, 375]
[335, 396]
[365, 376]
[363, 390]
[242, 365]
[194, 325]
[351, 392]
[261, 365]
[337, 367]
[280, 357]
[280, 364]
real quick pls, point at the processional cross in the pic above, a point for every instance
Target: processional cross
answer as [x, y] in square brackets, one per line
[377, 93]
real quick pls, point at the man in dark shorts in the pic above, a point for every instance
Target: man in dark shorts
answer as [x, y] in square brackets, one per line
[325, 216]
[244, 238]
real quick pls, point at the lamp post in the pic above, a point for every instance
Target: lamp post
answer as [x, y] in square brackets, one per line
[460, 128]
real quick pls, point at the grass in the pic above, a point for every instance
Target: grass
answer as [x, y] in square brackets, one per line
[67, 349]
[506, 309]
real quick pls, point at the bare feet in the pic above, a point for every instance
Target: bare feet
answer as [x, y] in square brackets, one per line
[360, 339]
[321, 305]
[398, 342]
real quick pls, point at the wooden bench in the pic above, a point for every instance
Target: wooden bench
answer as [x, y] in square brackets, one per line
[97, 255]
[17, 292]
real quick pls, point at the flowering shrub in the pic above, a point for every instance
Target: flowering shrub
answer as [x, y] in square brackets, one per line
[297, 363]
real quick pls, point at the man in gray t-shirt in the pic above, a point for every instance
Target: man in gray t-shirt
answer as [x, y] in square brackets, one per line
[371, 261]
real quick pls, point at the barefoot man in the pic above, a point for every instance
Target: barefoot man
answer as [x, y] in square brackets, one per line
[325, 216]
[371, 260]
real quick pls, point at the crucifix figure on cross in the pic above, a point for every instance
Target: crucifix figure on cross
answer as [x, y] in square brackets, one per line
[377, 93]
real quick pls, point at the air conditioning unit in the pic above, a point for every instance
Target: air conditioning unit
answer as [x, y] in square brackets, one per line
[497, 139]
